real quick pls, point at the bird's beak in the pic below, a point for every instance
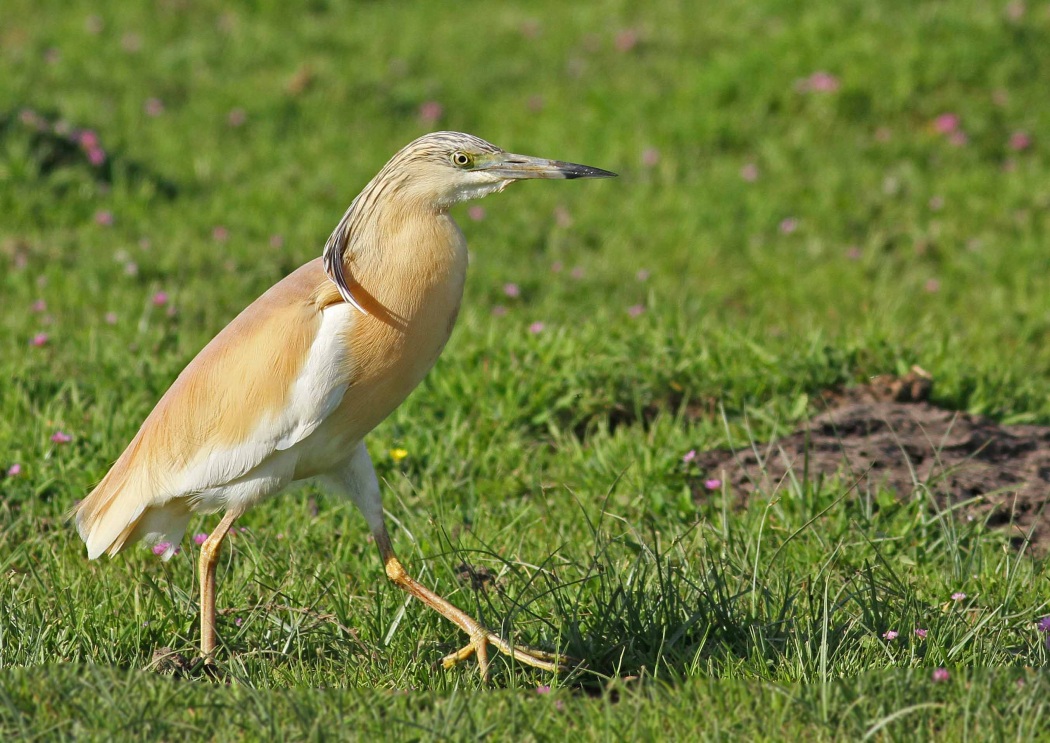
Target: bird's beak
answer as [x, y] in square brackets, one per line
[518, 167]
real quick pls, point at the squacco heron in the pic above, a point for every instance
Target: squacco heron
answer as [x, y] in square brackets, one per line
[290, 388]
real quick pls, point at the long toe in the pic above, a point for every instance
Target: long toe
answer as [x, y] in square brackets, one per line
[459, 656]
[478, 645]
[554, 662]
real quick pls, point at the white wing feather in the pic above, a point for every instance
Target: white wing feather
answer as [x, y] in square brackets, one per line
[151, 503]
[316, 393]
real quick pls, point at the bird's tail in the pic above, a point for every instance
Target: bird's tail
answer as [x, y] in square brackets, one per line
[120, 511]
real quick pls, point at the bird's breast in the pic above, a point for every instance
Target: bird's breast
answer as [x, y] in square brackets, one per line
[411, 312]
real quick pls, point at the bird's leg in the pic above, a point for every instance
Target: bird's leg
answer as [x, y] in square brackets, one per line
[208, 560]
[480, 637]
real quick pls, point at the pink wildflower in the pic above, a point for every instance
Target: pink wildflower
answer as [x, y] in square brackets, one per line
[476, 213]
[512, 290]
[1020, 141]
[96, 156]
[104, 218]
[61, 437]
[818, 82]
[713, 484]
[39, 340]
[890, 634]
[161, 547]
[940, 675]
[823, 82]
[626, 40]
[29, 118]
[430, 112]
[788, 225]
[200, 538]
[636, 310]
[40, 306]
[160, 299]
[238, 621]
[537, 327]
[14, 470]
[220, 234]
[920, 633]
[958, 596]
[749, 172]
[543, 689]
[946, 123]
[111, 318]
[689, 456]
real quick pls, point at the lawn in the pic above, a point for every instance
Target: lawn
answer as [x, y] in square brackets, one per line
[810, 195]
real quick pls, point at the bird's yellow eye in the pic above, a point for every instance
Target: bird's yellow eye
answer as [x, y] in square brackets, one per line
[461, 159]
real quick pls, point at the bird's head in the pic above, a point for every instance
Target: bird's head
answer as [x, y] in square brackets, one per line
[445, 168]
[433, 173]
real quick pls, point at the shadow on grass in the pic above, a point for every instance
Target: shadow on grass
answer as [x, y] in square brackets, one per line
[56, 148]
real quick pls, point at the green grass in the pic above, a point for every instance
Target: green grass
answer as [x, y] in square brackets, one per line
[537, 456]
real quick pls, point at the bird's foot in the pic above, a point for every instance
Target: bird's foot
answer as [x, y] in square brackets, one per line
[482, 638]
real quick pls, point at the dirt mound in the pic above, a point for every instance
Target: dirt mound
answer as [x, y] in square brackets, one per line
[886, 435]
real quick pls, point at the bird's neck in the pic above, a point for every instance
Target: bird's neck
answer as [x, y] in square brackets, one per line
[408, 261]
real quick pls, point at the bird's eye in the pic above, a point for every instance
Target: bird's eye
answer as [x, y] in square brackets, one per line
[461, 159]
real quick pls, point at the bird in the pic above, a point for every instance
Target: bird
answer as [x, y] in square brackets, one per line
[291, 387]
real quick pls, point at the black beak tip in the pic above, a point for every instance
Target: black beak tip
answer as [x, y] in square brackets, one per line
[586, 171]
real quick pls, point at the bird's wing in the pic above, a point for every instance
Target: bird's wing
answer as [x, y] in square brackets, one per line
[263, 384]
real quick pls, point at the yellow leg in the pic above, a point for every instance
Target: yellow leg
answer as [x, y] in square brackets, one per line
[480, 637]
[208, 560]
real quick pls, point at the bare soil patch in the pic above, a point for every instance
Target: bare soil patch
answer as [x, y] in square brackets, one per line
[887, 435]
